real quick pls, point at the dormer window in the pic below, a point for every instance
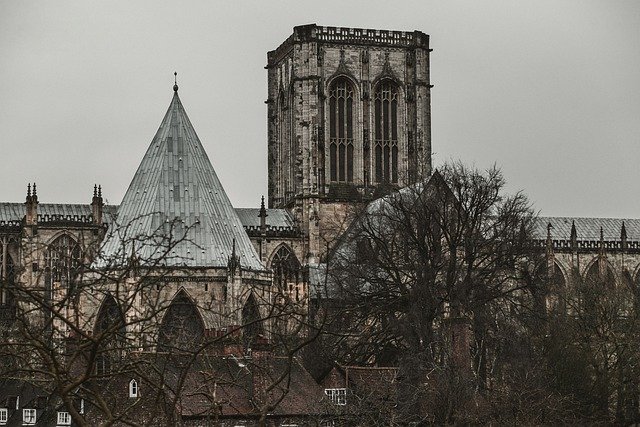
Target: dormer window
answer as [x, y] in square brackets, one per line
[28, 417]
[4, 416]
[338, 396]
[133, 388]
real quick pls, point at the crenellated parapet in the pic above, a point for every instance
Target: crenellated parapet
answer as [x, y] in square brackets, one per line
[577, 246]
[345, 35]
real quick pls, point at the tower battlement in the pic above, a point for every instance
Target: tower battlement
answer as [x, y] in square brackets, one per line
[351, 36]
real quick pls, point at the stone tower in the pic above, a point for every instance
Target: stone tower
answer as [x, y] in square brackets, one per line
[349, 117]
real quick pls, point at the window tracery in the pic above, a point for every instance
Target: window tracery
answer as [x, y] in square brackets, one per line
[7, 277]
[182, 327]
[62, 260]
[251, 321]
[386, 132]
[110, 332]
[341, 130]
[286, 267]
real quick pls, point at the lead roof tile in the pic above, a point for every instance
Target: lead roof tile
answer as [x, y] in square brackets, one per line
[176, 162]
[587, 228]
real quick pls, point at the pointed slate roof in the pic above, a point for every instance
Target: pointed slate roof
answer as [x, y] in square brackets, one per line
[176, 192]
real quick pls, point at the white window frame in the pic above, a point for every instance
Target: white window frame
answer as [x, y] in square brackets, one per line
[4, 416]
[29, 417]
[338, 396]
[133, 389]
[64, 418]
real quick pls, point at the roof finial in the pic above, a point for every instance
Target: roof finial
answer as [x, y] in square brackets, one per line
[175, 81]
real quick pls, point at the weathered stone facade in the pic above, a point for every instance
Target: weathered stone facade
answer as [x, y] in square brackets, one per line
[582, 249]
[331, 139]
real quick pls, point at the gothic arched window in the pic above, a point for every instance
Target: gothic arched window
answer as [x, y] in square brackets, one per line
[62, 260]
[386, 132]
[286, 267]
[286, 150]
[110, 333]
[182, 327]
[341, 130]
[599, 280]
[601, 275]
[555, 288]
[251, 321]
[7, 277]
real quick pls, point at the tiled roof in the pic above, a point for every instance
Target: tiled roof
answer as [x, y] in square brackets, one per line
[587, 228]
[241, 386]
[175, 194]
[10, 212]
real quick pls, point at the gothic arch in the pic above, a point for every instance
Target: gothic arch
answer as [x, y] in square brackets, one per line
[342, 105]
[252, 327]
[62, 259]
[343, 75]
[593, 274]
[387, 130]
[285, 265]
[552, 294]
[635, 276]
[110, 316]
[287, 146]
[7, 301]
[111, 333]
[182, 327]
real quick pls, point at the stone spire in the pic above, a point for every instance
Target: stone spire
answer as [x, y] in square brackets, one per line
[263, 217]
[549, 240]
[31, 203]
[234, 260]
[574, 236]
[623, 236]
[97, 205]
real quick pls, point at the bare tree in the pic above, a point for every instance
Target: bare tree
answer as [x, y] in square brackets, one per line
[421, 275]
[592, 348]
[110, 342]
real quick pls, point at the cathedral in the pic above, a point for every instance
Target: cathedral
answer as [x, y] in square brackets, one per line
[349, 120]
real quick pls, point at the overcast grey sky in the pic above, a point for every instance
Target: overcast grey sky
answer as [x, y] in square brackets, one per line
[548, 90]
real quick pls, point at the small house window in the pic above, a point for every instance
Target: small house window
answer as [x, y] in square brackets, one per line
[133, 388]
[338, 396]
[4, 416]
[64, 419]
[28, 417]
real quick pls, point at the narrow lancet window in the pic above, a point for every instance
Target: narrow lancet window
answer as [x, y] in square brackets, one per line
[341, 131]
[386, 132]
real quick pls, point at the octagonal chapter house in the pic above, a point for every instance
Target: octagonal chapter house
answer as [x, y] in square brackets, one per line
[188, 267]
